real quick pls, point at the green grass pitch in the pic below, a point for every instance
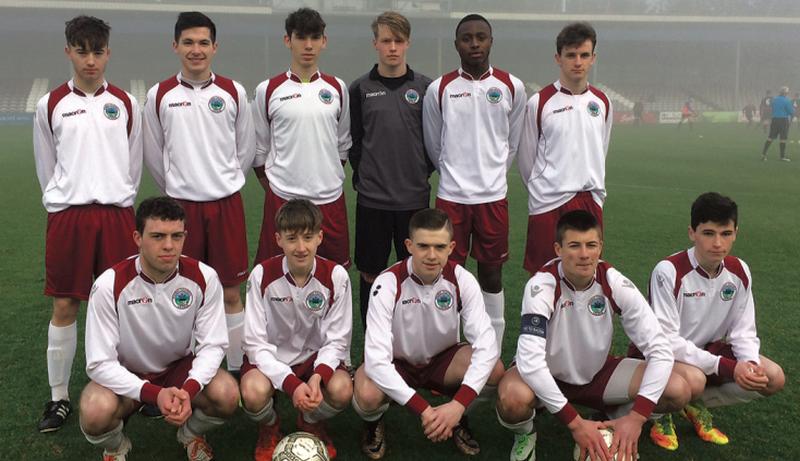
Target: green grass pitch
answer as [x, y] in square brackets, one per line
[654, 173]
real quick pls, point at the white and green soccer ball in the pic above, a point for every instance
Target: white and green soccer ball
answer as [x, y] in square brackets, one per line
[300, 446]
[608, 437]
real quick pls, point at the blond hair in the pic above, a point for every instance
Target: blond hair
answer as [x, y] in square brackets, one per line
[395, 21]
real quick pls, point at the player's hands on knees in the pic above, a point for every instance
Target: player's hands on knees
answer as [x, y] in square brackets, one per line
[586, 434]
[627, 430]
[445, 418]
[750, 376]
[315, 384]
[302, 399]
[175, 404]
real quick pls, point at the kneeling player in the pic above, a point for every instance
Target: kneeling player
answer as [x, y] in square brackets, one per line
[155, 333]
[704, 302]
[298, 323]
[412, 341]
[563, 351]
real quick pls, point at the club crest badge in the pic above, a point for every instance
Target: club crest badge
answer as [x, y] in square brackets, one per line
[597, 305]
[315, 301]
[182, 298]
[325, 96]
[728, 291]
[111, 111]
[443, 300]
[411, 95]
[494, 95]
[593, 108]
[216, 104]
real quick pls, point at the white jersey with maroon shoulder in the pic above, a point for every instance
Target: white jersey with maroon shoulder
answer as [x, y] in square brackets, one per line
[87, 147]
[471, 129]
[566, 334]
[564, 145]
[412, 321]
[286, 324]
[199, 139]
[135, 326]
[303, 135]
[695, 309]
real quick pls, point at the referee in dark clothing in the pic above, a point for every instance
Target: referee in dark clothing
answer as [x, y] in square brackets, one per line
[782, 112]
[390, 165]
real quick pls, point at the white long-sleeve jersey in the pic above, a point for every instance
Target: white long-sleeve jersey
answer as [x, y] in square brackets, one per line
[303, 135]
[136, 327]
[88, 148]
[411, 321]
[472, 130]
[286, 324]
[566, 335]
[199, 141]
[695, 309]
[564, 145]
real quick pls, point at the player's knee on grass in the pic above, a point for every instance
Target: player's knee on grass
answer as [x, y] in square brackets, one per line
[693, 376]
[676, 395]
[256, 390]
[99, 409]
[339, 390]
[220, 397]
[366, 392]
[515, 400]
[775, 374]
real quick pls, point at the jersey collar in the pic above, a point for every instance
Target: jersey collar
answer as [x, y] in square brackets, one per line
[415, 278]
[489, 72]
[561, 88]
[374, 75]
[295, 78]
[79, 92]
[188, 84]
[288, 275]
[151, 281]
[569, 284]
[697, 267]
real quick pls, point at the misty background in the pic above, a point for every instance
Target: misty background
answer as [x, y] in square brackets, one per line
[723, 53]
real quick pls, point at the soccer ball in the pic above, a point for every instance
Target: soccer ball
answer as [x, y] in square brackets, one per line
[300, 446]
[608, 436]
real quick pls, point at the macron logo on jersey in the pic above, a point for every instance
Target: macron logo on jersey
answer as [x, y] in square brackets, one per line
[465, 94]
[412, 300]
[374, 94]
[74, 112]
[563, 109]
[291, 96]
[143, 300]
[180, 104]
[695, 294]
[280, 299]
[566, 304]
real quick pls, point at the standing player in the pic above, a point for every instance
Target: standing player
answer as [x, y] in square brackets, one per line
[562, 154]
[688, 114]
[198, 144]
[782, 113]
[563, 351]
[390, 166]
[416, 312]
[765, 111]
[302, 119]
[88, 150]
[703, 299]
[297, 331]
[155, 333]
[472, 118]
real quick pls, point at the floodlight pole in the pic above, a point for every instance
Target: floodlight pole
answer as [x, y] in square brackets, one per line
[736, 96]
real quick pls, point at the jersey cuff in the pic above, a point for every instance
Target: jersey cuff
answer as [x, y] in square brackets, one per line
[465, 395]
[417, 404]
[726, 367]
[149, 393]
[566, 414]
[192, 387]
[643, 406]
[290, 384]
[260, 172]
[325, 372]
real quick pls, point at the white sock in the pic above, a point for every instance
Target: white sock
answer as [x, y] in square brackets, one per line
[369, 416]
[197, 425]
[486, 395]
[266, 414]
[234, 355]
[61, 345]
[727, 394]
[495, 307]
[522, 427]
[111, 441]
[324, 411]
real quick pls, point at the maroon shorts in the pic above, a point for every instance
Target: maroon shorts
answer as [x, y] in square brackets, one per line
[174, 376]
[591, 394]
[430, 376]
[335, 232]
[486, 224]
[217, 235]
[542, 230]
[302, 370]
[82, 242]
[717, 348]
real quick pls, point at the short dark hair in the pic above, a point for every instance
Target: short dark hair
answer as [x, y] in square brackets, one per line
[575, 34]
[304, 22]
[162, 208]
[192, 19]
[716, 208]
[430, 219]
[577, 220]
[87, 30]
[473, 17]
[298, 215]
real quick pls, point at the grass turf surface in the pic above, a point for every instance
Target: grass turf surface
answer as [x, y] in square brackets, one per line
[654, 173]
